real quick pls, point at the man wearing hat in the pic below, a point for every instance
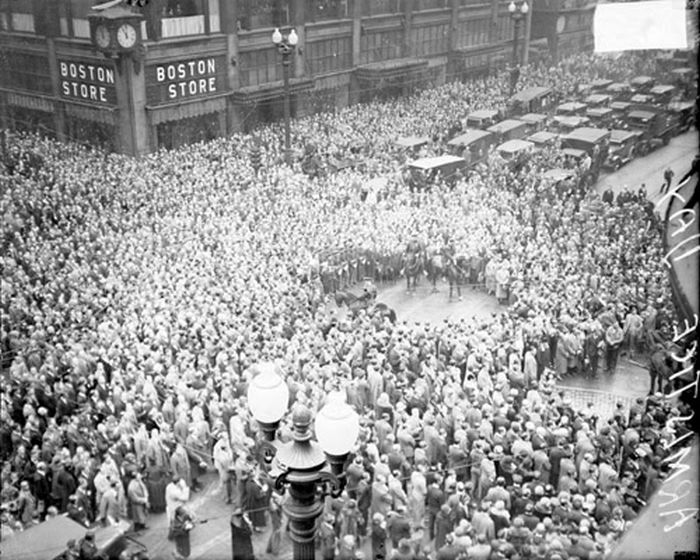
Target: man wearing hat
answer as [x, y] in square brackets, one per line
[398, 526]
[241, 536]
[87, 546]
[378, 536]
[326, 537]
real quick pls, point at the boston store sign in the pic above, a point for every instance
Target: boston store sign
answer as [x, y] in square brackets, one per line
[186, 79]
[87, 81]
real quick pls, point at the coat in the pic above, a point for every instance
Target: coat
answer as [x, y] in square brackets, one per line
[138, 500]
[180, 466]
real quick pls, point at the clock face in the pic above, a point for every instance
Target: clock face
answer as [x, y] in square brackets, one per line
[126, 35]
[561, 24]
[103, 38]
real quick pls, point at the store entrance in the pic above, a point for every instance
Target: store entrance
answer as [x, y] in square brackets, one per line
[173, 134]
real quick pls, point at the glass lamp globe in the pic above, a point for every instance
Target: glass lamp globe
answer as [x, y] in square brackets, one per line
[337, 425]
[511, 8]
[276, 36]
[293, 37]
[268, 394]
[525, 8]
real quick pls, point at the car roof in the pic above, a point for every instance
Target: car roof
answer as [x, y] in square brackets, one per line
[662, 88]
[597, 97]
[588, 134]
[620, 104]
[482, 114]
[469, 137]
[598, 111]
[618, 134]
[504, 126]
[571, 105]
[530, 93]
[541, 136]
[641, 80]
[641, 114]
[512, 146]
[48, 539]
[618, 86]
[532, 117]
[435, 162]
[410, 141]
[602, 82]
[570, 120]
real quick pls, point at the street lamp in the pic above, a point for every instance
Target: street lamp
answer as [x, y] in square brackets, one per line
[302, 465]
[286, 46]
[517, 14]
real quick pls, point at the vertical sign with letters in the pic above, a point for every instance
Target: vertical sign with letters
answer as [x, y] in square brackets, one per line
[87, 81]
[182, 80]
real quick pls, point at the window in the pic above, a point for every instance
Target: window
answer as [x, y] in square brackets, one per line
[257, 14]
[260, 67]
[329, 55]
[378, 7]
[431, 39]
[431, 4]
[320, 10]
[73, 18]
[473, 32]
[17, 15]
[26, 71]
[380, 46]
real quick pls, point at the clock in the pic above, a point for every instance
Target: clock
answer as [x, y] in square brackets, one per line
[561, 24]
[103, 37]
[126, 35]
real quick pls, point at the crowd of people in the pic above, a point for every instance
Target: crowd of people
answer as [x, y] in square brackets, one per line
[139, 294]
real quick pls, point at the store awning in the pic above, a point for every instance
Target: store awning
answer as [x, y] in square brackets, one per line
[33, 102]
[106, 115]
[178, 111]
[391, 68]
[271, 90]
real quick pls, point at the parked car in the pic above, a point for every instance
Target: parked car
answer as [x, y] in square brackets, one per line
[543, 139]
[619, 91]
[597, 100]
[534, 99]
[425, 171]
[600, 117]
[48, 540]
[589, 141]
[620, 110]
[570, 109]
[663, 94]
[684, 114]
[642, 84]
[564, 125]
[510, 129]
[513, 149]
[623, 148]
[657, 127]
[534, 121]
[600, 84]
[473, 146]
[412, 142]
[482, 119]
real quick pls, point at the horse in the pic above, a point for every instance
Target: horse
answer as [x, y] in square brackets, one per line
[386, 312]
[412, 267]
[356, 301]
[435, 265]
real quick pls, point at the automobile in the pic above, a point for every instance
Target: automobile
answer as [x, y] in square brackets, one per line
[601, 117]
[623, 148]
[570, 109]
[685, 79]
[564, 124]
[640, 99]
[509, 148]
[658, 126]
[425, 171]
[412, 142]
[641, 84]
[543, 139]
[535, 121]
[597, 100]
[48, 540]
[684, 113]
[620, 110]
[509, 129]
[531, 100]
[600, 84]
[482, 119]
[473, 146]
[587, 141]
[619, 91]
[663, 94]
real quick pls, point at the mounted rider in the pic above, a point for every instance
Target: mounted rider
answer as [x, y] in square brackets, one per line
[413, 262]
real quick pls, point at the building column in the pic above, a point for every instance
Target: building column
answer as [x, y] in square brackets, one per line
[298, 70]
[526, 39]
[354, 93]
[59, 116]
[131, 100]
[229, 26]
[493, 28]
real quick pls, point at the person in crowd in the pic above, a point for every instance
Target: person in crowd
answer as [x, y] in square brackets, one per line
[180, 528]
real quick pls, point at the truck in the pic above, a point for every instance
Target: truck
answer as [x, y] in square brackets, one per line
[570, 109]
[642, 84]
[535, 121]
[425, 171]
[473, 146]
[619, 91]
[590, 142]
[482, 119]
[601, 117]
[543, 139]
[657, 127]
[684, 114]
[623, 148]
[536, 99]
[510, 129]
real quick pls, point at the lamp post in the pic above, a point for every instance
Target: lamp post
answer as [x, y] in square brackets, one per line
[517, 14]
[305, 468]
[286, 46]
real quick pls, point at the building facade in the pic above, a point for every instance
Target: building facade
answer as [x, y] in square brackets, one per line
[206, 68]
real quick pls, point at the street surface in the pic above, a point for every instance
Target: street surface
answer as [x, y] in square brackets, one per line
[211, 538]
